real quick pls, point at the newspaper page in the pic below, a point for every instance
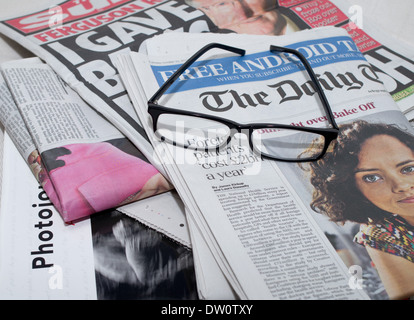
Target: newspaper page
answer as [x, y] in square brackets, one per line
[43, 258]
[83, 162]
[211, 282]
[392, 60]
[80, 40]
[256, 214]
[12, 120]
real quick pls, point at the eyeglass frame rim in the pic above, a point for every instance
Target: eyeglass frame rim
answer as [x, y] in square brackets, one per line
[330, 134]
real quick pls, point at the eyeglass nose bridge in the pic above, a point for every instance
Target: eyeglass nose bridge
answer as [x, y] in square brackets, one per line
[240, 129]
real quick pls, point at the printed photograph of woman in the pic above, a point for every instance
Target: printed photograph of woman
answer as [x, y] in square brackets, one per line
[367, 177]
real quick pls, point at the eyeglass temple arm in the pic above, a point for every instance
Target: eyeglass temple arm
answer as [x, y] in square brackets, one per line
[189, 62]
[314, 79]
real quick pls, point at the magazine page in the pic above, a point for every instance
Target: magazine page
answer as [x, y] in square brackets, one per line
[43, 258]
[82, 161]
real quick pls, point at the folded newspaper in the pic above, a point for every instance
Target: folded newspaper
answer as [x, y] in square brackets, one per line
[82, 161]
[278, 230]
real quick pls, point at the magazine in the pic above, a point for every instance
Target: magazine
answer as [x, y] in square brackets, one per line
[268, 223]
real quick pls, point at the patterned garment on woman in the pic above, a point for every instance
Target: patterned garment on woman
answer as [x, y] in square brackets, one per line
[392, 235]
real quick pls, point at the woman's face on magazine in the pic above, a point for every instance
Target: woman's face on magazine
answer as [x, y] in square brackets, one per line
[385, 175]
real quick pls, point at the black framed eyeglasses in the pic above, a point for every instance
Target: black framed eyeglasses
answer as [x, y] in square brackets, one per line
[273, 141]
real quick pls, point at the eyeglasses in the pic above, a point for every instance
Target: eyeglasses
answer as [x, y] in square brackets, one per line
[200, 131]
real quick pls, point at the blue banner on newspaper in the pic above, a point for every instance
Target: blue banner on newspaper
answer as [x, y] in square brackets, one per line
[259, 66]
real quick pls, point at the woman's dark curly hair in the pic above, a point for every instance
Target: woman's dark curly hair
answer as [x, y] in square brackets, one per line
[335, 192]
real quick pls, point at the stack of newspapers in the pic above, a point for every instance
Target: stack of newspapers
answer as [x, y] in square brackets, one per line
[246, 226]
[60, 158]
[250, 218]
